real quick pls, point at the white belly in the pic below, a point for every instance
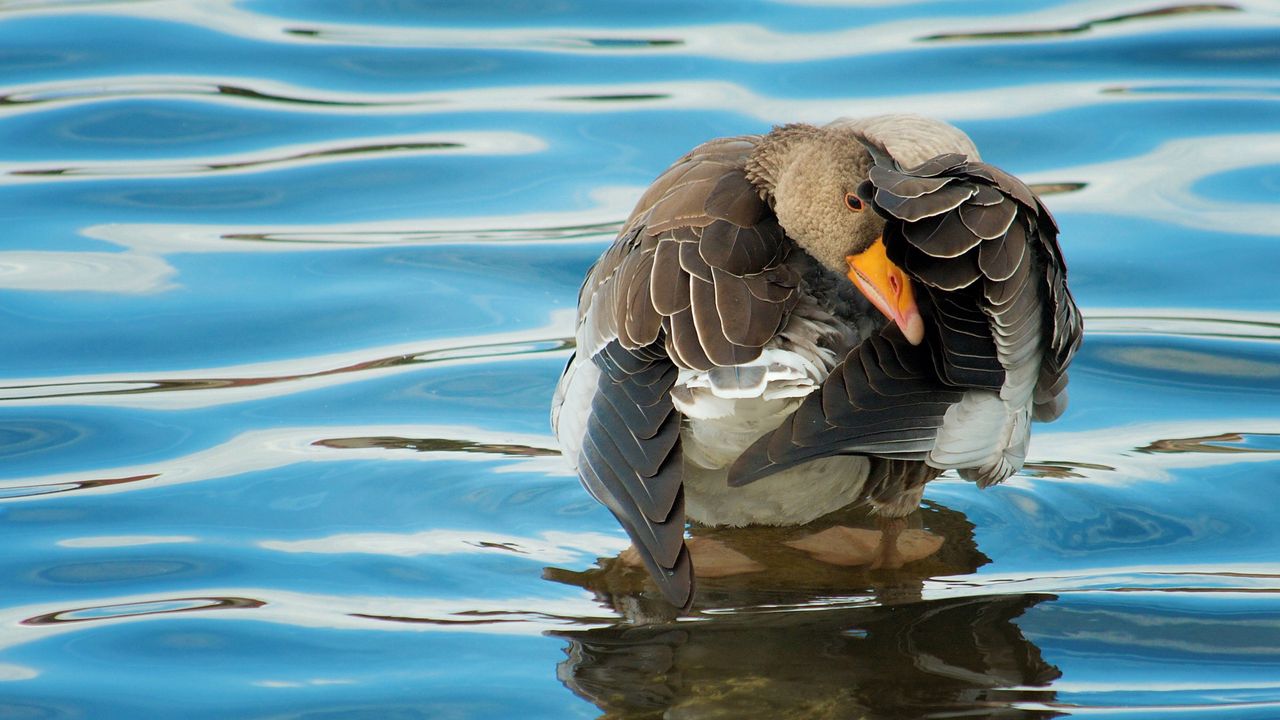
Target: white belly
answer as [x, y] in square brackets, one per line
[792, 497]
[728, 409]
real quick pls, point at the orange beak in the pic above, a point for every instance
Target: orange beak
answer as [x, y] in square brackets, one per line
[888, 288]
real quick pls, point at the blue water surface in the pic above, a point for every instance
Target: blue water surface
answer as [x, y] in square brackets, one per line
[285, 289]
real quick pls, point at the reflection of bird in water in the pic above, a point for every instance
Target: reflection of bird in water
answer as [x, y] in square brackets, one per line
[784, 575]
[727, 365]
[949, 658]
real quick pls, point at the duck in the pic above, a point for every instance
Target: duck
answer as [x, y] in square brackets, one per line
[820, 316]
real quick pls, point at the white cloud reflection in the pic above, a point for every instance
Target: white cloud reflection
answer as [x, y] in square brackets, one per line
[1114, 447]
[10, 672]
[278, 157]
[547, 547]
[1225, 580]
[124, 273]
[213, 386]
[1158, 185]
[309, 682]
[260, 450]
[609, 205]
[528, 616]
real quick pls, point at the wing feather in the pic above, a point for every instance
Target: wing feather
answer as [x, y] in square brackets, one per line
[853, 413]
[696, 279]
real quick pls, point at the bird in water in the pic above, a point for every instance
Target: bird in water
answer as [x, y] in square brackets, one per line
[795, 322]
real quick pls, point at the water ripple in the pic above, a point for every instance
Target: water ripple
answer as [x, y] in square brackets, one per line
[1228, 442]
[1011, 99]
[1185, 323]
[240, 384]
[1152, 580]
[9, 491]
[348, 612]
[1123, 456]
[1087, 25]
[295, 156]
[599, 224]
[348, 238]
[140, 609]
[1160, 185]
[548, 547]
[424, 444]
[78, 92]
[101, 272]
[260, 450]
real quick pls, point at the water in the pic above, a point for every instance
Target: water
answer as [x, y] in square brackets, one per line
[286, 287]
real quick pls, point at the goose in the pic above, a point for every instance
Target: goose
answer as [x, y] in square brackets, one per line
[791, 323]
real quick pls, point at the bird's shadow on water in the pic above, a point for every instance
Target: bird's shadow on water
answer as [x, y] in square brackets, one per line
[799, 640]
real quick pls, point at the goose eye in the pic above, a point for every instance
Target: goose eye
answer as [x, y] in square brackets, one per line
[853, 202]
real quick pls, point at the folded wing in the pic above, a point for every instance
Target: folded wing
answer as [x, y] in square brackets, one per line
[1001, 328]
[695, 280]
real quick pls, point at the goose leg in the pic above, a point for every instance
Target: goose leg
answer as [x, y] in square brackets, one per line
[896, 492]
[889, 555]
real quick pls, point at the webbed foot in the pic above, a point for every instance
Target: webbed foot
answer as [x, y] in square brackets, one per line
[889, 548]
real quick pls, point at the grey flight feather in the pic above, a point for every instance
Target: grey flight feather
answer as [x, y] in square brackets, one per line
[696, 279]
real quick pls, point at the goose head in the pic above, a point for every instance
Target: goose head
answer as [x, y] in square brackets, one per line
[811, 177]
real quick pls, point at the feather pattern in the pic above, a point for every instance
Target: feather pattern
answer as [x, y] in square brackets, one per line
[1001, 328]
[697, 280]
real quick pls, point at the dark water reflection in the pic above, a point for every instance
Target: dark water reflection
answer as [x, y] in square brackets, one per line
[783, 576]
[951, 658]
[804, 639]
[153, 607]
[1087, 25]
